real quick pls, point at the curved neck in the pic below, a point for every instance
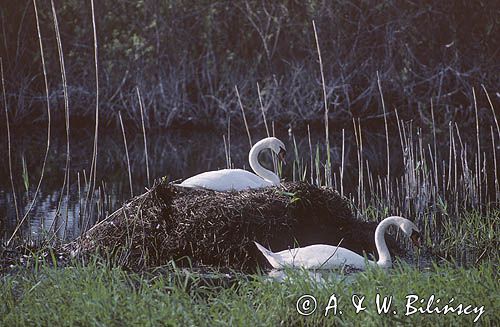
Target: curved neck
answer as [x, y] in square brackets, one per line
[384, 257]
[253, 158]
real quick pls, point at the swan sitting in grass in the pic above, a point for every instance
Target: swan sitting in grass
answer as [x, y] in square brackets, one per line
[320, 256]
[238, 179]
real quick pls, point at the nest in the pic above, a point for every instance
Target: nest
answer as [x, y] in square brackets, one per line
[203, 227]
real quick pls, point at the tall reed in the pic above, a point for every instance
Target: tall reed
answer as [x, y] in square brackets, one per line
[387, 180]
[326, 118]
[66, 181]
[244, 117]
[49, 119]
[129, 169]
[141, 107]
[9, 149]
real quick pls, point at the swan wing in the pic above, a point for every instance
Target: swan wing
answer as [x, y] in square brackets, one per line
[320, 256]
[225, 180]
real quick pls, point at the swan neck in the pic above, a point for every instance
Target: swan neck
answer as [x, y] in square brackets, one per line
[384, 257]
[253, 158]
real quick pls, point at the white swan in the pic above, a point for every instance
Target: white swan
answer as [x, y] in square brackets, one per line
[320, 256]
[239, 179]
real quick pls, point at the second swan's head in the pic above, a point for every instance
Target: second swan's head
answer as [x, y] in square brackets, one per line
[410, 230]
[276, 146]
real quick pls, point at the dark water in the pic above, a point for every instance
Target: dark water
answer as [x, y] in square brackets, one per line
[174, 155]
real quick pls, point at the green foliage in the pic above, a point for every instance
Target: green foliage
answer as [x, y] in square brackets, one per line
[476, 236]
[100, 295]
[294, 197]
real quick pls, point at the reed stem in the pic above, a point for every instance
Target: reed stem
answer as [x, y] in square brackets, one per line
[126, 154]
[44, 69]
[325, 102]
[141, 107]
[244, 118]
[9, 146]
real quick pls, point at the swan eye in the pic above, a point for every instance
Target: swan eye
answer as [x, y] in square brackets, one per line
[416, 239]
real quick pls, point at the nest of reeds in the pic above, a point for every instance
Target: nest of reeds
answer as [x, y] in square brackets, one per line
[203, 227]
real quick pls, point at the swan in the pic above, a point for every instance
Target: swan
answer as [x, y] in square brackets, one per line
[321, 256]
[238, 179]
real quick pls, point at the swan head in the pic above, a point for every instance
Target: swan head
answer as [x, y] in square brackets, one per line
[277, 147]
[411, 231]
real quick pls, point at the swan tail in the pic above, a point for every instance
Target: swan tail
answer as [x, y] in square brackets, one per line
[269, 256]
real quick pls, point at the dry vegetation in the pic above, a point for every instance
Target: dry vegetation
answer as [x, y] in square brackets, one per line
[187, 56]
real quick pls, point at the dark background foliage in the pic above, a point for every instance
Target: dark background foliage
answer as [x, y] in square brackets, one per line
[186, 57]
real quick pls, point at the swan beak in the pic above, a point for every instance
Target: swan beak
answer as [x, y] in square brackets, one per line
[416, 239]
[282, 155]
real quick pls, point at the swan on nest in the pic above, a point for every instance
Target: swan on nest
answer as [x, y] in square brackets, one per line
[239, 179]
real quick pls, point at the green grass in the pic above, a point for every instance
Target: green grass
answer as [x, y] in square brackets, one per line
[472, 238]
[104, 296]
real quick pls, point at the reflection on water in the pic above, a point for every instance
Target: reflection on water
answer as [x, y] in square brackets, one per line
[172, 155]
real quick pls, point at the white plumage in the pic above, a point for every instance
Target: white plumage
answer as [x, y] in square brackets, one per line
[322, 256]
[238, 179]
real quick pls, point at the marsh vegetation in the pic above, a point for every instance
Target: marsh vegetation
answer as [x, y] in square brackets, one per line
[393, 105]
